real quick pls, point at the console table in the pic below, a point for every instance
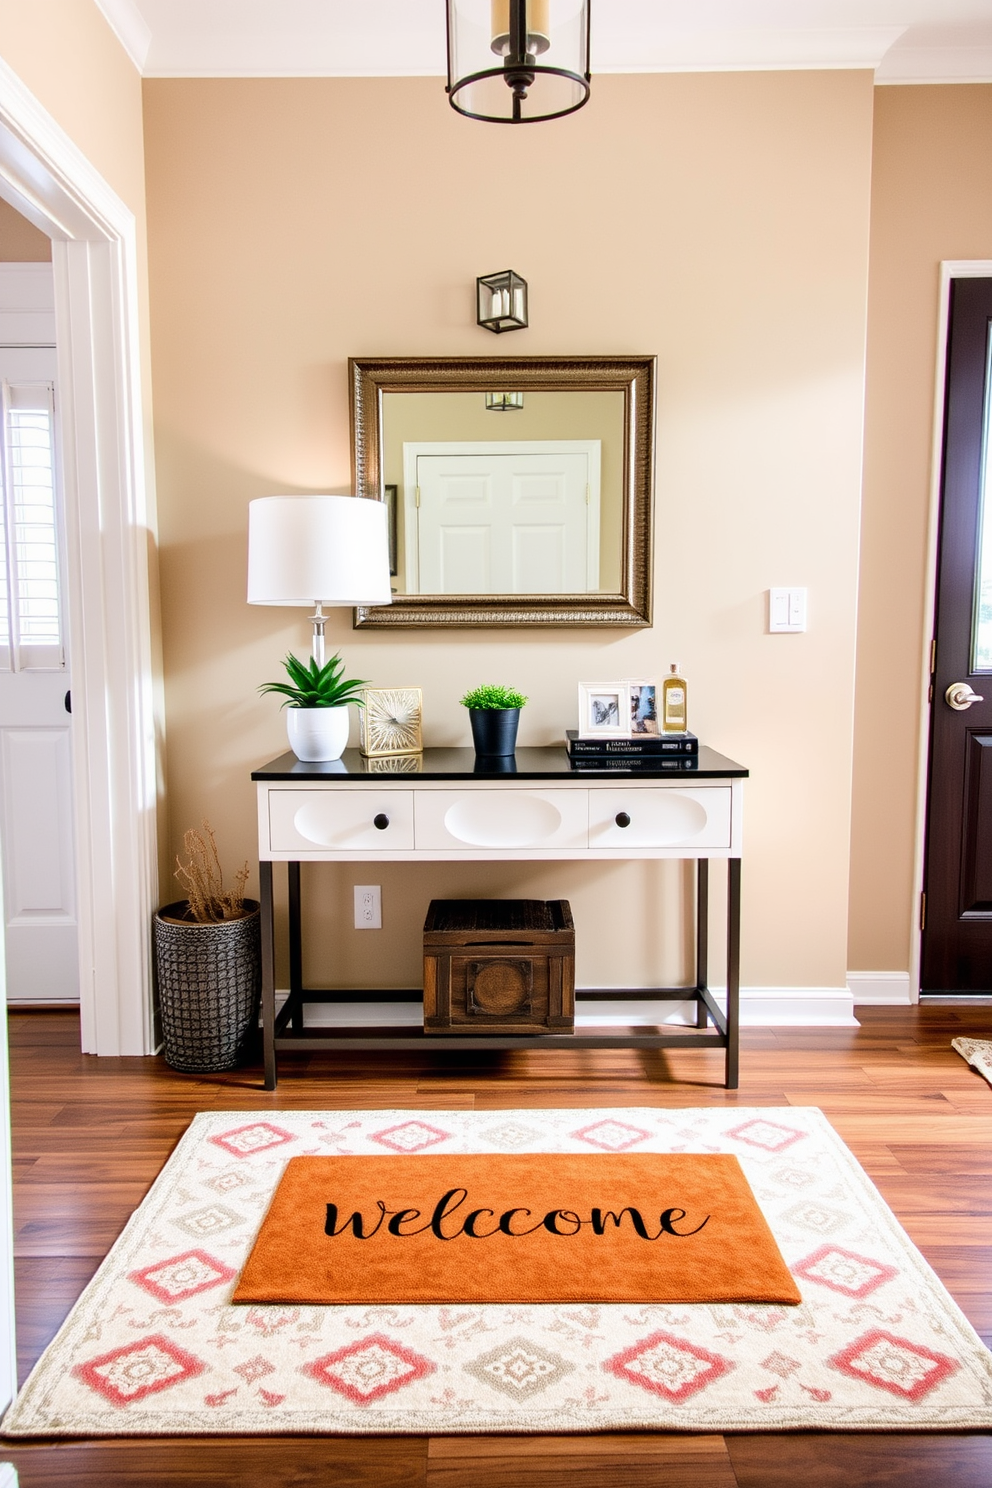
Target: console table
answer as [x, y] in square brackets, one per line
[448, 806]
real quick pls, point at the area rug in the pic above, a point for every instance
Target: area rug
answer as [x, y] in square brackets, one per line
[978, 1053]
[155, 1346]
[516, 1227]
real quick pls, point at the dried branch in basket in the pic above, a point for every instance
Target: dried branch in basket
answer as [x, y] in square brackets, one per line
[203, 879]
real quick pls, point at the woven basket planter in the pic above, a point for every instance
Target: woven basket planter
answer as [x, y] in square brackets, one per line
[209, 985]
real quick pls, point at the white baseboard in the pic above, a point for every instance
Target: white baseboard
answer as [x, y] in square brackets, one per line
[761, 1007]
[880, 988]
[797, 1007]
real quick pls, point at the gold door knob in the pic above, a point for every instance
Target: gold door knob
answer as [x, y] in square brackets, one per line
[960, 696]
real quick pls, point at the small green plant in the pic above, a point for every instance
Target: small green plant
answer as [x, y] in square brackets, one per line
[316, 686]
[489, 696]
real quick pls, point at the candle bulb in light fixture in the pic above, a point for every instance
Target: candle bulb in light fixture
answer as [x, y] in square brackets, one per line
[501, 301]
[537, 29]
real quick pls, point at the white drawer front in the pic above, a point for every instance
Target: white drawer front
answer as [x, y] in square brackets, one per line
[690, 817]
[340, 820]
[502, 820]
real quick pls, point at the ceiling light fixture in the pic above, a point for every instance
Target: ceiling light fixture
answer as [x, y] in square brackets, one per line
[542, 47]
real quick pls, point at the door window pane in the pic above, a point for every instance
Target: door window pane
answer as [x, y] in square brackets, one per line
[30, 608]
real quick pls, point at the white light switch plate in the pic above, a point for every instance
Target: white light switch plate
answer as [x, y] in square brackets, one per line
[786, 611]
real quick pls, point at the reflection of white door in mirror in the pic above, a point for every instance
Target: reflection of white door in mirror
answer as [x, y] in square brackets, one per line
[502, 518]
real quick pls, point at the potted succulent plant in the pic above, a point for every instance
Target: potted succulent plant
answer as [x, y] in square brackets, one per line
[494, 713]
[207, 963]
[317, 699]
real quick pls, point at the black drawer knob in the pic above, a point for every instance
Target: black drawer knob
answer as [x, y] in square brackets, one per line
[381, 821]
[623, 820]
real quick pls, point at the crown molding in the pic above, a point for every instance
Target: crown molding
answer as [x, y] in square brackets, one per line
[130, 27]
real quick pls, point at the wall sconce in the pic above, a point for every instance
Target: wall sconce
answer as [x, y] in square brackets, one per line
[504, 402]
[501, 301]
[517, 61]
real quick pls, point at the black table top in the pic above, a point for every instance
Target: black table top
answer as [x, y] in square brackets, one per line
[550, 762]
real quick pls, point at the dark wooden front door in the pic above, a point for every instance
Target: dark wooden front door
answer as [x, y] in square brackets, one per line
[957, 935]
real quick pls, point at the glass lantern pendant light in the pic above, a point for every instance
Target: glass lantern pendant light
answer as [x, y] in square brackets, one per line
[517, 61]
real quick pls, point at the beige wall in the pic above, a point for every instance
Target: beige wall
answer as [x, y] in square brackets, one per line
[64, 51]
[930, 201]
[20, 242]
[723, 221]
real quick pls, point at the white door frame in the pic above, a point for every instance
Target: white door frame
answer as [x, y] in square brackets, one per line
[949, 269]
[110, 535]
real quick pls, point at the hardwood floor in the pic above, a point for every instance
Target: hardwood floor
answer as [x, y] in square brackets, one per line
[90, 1135]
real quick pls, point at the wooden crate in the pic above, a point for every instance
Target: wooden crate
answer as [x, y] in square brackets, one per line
[499, 966]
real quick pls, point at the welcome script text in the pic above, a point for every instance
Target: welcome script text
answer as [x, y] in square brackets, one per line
[446, 1223]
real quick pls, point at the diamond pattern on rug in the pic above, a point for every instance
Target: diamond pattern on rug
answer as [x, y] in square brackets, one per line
[819, 1219]
[766, 1134]
[411, 1136]
[512, 1136]
[519, 1368]
[259, 1136]
[212, 1220]
[611, 1136]
[843, 1271]
[876, 1343]
[368, 1370]
[182, 1276]
[895, 1364]
[126, 1375]
[668, 1366]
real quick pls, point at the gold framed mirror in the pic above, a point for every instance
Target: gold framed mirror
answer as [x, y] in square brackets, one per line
[520, 488]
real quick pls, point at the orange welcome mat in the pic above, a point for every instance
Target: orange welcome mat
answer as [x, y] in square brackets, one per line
[535, 1227]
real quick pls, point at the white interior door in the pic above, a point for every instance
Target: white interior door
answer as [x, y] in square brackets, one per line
[36, 806]
[510, 520]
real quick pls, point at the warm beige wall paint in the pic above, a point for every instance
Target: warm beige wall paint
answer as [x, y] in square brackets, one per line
[723, 221]
[20, 241]
[65, 52]
[930, 201]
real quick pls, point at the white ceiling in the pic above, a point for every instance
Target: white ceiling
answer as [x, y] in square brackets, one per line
[906, 41]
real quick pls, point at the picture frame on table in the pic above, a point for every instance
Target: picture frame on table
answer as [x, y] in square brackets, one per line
[644, 710]
[604, 710]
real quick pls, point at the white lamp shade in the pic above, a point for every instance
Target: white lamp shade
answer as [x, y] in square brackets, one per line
[333, 550]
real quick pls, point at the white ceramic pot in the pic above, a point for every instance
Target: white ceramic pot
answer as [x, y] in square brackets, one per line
[317, 733]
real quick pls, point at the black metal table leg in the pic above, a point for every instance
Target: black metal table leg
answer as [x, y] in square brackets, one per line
[295, 949]
[268, 974]
[702, 935]
[733, 971]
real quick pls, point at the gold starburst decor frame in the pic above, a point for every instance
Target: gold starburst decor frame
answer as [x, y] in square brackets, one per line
[390, 721]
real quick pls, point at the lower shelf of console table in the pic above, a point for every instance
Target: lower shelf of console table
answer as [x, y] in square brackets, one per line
[285, 1030]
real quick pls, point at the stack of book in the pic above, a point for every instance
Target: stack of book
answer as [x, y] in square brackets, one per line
[639, 751]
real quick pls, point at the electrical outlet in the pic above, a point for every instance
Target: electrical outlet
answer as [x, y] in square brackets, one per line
[368, 907]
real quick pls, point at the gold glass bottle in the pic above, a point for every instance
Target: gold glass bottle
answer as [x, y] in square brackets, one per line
[674, 713]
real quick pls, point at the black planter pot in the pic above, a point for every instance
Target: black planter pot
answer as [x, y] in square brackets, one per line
[494, 730]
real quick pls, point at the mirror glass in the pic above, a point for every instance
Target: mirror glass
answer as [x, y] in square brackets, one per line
[519, 490]
[508, 492]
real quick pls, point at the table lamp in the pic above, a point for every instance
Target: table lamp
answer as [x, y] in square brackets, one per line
[319, 550]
